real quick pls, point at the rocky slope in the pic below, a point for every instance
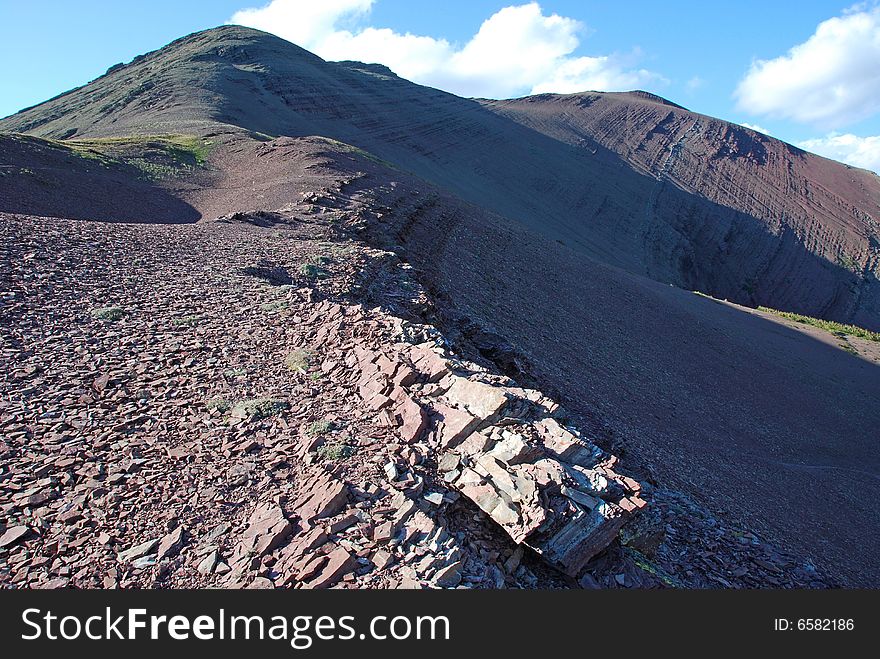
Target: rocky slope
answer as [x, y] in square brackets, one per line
[257, 406]
[631, 180]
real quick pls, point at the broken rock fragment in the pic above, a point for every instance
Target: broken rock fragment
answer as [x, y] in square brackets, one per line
[12, 535]
[339, 563]
[481, 399]
[323, 497]
[171, 544]
[267, 529]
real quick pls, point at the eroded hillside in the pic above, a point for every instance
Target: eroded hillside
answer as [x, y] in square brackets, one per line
[629, 179]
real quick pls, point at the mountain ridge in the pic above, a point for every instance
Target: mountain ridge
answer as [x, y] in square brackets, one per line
[628, 178]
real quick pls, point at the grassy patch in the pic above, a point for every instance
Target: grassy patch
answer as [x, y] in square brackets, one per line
[348, 148]
[298, 360]
[257, 409]
[220, 405]
[646, 565]
[186, 321]
[313, 271]
[848, 348]
[848, 262]
[317, 428]
[110, 314]
[274, 307]
[156, 156]
[335, 451]
[827, 325]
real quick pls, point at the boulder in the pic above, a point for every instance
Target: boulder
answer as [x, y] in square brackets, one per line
[482, 400]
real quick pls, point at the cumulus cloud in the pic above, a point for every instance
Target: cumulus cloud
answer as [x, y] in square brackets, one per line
[830, 80]
[517, 50]
[756, 127]
[851, 149]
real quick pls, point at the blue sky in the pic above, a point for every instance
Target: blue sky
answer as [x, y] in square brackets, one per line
[730, 59]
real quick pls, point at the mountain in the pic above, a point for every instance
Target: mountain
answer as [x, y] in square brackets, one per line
[555, 240]
[629, 179]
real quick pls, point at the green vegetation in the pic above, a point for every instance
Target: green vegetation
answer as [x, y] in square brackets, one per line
[234, 373]
[320, 428]
[348, 148]
[646, 565]
[313, 271]
[257, 409]
[220, 405]
[848, 262]
[827, 325]
[335, 451]
[273, 307]
[110, 314]
[298, 360]
[156, 156]
[186, 321]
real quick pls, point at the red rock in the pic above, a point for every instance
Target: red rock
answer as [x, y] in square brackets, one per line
[411, 417]
[267, 529]
[324, 497]
[261, 583]
[339, 563]
[342, 524]
[383, 532]
[171, 544]
[455, 425]
[71, 516]
[101, 382]
[428, 363]
[12, 535]
[405, 376]
[382, 559]
[483, 400]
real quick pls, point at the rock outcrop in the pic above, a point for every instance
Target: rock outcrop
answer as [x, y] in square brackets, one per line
[501, 447]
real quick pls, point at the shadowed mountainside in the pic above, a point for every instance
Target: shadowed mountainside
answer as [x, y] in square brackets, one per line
[630, 179]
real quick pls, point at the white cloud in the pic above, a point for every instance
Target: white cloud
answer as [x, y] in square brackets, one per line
[694, 84]
[756, 127]
[830, 80]
[851, 149]
[517, 50]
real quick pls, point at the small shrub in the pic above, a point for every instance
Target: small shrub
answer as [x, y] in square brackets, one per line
[187, 321]
[312, 271]
[110, 314]
[273, 307]
[232, 373]
[335, 451]
[848, 262]
[257, 409]
[218, 405]
[320, 428]
[298, 360]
